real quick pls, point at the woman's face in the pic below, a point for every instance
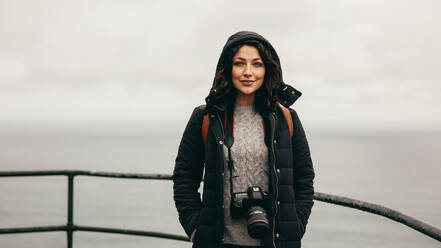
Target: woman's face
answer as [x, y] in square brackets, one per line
[248, 71]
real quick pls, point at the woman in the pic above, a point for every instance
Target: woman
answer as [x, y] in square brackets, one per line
[253, 153]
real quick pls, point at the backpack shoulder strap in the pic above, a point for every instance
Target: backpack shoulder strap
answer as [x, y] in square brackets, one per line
[205, 124]
[288, 118]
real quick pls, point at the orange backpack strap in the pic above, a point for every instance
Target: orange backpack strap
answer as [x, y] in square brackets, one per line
[205, 124]
[288, 118]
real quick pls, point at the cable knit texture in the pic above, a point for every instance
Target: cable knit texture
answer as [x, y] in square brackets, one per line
[250, 156]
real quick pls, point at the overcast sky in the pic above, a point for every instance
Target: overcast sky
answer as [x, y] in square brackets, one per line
[357, 62]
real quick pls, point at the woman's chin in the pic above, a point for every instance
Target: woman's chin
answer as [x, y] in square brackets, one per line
[247, 93]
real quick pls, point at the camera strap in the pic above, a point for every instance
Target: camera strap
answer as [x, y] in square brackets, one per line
[229, 140]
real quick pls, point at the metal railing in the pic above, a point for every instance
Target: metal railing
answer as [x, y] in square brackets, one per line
[70, 227]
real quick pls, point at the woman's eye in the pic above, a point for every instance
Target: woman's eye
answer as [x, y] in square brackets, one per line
[258, 64]
[238, 63]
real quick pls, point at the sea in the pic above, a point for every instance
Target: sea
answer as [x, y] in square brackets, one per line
[396, 168]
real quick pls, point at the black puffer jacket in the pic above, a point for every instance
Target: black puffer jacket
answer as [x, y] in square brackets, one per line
[291, 172]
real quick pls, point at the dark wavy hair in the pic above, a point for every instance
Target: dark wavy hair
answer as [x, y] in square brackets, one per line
[266, 97]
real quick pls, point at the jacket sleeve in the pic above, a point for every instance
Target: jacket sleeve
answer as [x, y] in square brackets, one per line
[187, 173]
[303, 172]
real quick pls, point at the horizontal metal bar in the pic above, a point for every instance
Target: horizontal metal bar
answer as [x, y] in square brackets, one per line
[33, 229]
[126, 175]
[84, 173]
[35, 173]
[93, 229]
[132, 232]
[409, 221]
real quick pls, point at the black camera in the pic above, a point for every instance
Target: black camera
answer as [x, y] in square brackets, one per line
[252, 204]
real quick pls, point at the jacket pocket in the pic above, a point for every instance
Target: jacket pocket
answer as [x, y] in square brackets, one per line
[299, 225]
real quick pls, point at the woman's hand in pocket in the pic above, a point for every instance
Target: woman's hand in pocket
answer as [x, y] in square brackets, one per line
[192, 236]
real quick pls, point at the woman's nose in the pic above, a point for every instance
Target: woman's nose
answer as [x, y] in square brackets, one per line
[248, 72]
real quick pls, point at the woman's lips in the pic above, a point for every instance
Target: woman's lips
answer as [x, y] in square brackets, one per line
[247, 83]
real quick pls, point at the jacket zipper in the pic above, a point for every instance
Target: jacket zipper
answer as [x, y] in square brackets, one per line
[277, 180]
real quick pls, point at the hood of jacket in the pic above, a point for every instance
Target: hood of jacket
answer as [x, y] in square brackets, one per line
[287, 94]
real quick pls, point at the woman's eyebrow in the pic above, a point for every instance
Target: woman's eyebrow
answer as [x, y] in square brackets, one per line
[245, 59]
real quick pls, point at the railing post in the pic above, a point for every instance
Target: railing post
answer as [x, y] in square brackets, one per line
[70, 210]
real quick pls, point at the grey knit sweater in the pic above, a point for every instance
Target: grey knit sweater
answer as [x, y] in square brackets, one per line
[250, 156]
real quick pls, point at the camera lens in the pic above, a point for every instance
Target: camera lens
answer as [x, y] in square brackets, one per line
[258, 223]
